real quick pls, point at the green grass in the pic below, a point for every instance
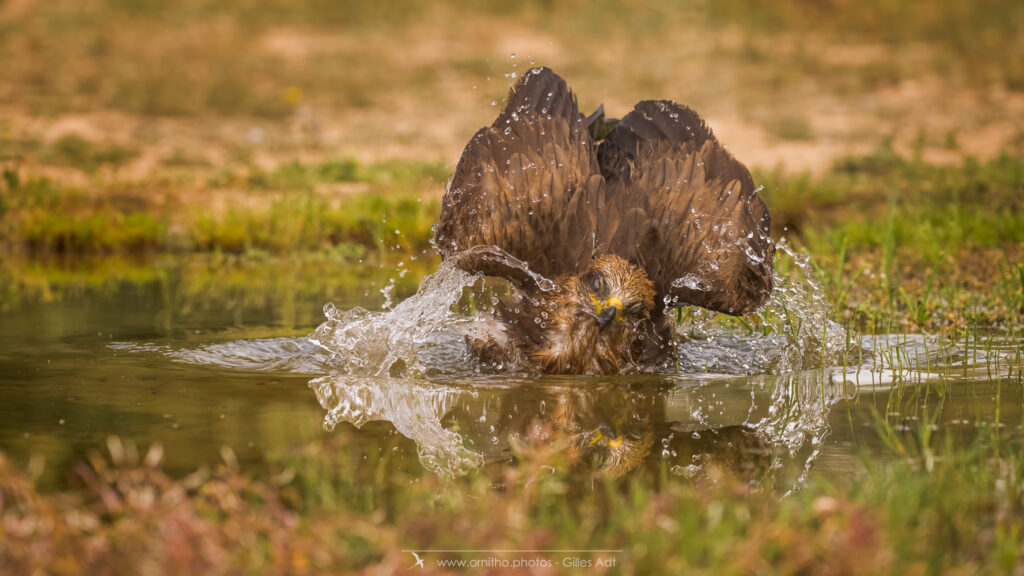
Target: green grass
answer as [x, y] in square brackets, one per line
[297, 284]
[294, 207]
[881, 229]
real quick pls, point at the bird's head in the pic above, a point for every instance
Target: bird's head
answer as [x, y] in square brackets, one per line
[612, 450]
[615, 293]
[599, 319]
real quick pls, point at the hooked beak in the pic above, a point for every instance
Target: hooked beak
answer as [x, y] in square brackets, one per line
[607, 311]
[606, 316]
[611, 437]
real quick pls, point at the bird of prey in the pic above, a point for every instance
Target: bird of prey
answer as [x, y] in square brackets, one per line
[601, 226]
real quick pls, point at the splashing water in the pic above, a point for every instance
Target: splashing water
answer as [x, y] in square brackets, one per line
[424, 335]
[409, 365]
[791, 332]
[418, 336]
[414, 411]
[372, 354]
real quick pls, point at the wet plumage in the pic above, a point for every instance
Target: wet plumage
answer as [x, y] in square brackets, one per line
[600, 237]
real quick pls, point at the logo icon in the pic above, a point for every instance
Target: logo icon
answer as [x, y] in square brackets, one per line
[419, 561]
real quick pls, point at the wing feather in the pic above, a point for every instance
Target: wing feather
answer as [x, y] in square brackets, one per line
[702, 233]
[525, 185]
[659, 190]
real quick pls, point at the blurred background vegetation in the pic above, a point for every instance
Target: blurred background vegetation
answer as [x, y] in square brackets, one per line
[888, 135]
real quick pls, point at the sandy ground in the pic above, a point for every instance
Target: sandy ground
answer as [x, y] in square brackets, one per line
[940, 117]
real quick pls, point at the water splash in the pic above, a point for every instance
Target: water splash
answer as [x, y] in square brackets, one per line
[414, 410]
[693, 282]
[795, 416]
[417, 336]
[430, 391]
[425, 335]
[776, 424]
[790, 333]
[409, 365]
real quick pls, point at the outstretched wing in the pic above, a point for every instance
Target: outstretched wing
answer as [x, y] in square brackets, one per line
[526, 185]
[682, 207]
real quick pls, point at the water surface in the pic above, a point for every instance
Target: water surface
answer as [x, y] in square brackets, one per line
[198, 354]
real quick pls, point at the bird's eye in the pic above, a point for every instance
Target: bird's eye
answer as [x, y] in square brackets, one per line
[597, 284]
[635, 309]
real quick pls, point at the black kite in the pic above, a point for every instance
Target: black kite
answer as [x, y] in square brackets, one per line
[601, 225]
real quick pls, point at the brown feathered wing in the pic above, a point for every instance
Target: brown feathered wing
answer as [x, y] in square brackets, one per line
[526, 184]
[660, 191]
[682, 207]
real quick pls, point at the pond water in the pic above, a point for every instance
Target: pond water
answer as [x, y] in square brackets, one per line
[202, 353]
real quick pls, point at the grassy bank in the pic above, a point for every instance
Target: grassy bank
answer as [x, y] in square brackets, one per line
[295, 286]
[336, 205]
[794, 82]
[932, 244]
[326, 510]
[880, 228]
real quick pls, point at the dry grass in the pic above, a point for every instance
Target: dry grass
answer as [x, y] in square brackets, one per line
[780, 83]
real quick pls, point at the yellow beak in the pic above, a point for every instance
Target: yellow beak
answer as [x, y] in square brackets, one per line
[612, 302]
[616, 302]
[610, 309]
[612, 442]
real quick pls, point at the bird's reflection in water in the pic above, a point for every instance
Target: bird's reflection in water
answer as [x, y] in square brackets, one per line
[608, 429]
[612, 429]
